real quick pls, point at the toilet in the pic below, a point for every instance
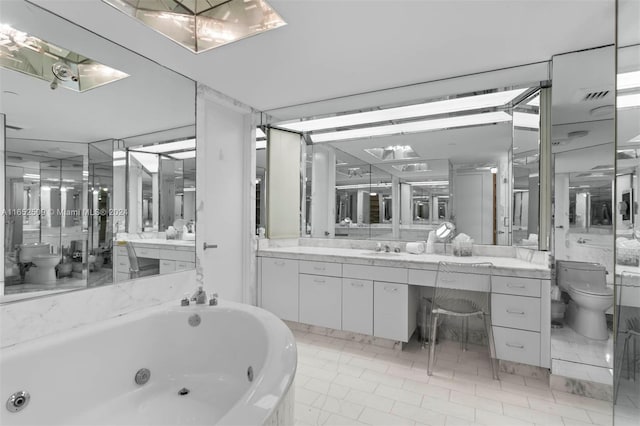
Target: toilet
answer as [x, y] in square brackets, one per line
[44, 271]
[590, 297]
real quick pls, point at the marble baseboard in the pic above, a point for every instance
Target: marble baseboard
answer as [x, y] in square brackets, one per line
[581, 387]
[525, 370]
[345, 335]
[284, 413]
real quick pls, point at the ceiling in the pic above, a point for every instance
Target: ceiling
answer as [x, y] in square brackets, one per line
[333, 49]
[152, 95]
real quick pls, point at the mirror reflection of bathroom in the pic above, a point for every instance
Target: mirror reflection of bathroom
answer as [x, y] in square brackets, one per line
[583, 138]
[400, 186]
[627, 230]
[65, 192]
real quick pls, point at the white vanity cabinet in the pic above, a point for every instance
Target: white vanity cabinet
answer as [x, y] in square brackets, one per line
[394, 310]
[280, 287]
[320, 286]
[521, 319]
[171, 256]
[357, 306]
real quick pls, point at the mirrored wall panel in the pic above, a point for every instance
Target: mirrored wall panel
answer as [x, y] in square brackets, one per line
[396, 172]
[627, 259]
[88, 123]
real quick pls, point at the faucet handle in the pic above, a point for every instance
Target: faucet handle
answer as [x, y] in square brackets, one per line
[185, 300]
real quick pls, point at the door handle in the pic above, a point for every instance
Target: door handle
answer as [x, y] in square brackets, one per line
[206, 246]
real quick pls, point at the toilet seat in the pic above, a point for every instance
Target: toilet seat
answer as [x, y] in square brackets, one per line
[588, 288]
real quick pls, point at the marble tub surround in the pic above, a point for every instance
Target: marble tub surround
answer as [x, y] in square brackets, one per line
[42, 316]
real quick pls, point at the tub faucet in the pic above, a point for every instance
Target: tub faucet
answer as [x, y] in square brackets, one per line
[582, 240]
[214, 300]
[200, 297]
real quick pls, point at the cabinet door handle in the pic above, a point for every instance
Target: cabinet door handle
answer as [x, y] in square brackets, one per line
[391, 289]
[355, 284]
[510, 285]
[319, 268]
[511, 311]
[515, 345]
[319, 281]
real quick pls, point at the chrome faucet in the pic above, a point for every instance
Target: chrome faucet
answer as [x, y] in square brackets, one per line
[200, 297]
[387, 249]
[582, 240]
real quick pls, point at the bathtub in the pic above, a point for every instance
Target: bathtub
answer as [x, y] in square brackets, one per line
[86, 376]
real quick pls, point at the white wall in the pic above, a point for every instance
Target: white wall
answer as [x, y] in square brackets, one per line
[225, 200]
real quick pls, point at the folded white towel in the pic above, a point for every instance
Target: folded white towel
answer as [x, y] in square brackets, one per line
[415, 248]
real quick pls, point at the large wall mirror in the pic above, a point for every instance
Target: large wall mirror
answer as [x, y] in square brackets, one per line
[397, 171]
[99, 159]
[627, 260]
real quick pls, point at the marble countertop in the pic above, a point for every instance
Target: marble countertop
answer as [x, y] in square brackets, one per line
[507, 266]
[162, 242]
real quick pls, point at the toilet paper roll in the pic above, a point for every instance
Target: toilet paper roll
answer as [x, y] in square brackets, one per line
[415, 248]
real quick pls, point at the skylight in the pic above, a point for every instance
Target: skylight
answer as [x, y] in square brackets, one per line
[393, 152]
[200, 25]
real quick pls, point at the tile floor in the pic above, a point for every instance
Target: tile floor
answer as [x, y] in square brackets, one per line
[340, 382]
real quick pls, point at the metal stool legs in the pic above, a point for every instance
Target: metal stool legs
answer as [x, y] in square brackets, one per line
[492, 347]
[433, 332]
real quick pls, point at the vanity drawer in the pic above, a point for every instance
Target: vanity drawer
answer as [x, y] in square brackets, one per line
[321, 301]
[180, 255]
[517, 345]
[516, 286]
[462, 281]
[376, 273]
[515, 312]
[121, 250]
[321, 268]
[167, 266]
[422, 277]
[148, 252]
[184, 266]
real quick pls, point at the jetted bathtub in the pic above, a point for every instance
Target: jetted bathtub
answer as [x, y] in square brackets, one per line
[230, 364]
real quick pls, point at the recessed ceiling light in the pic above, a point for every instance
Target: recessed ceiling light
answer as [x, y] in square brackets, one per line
[467, 103]
[203, 25]
[430, 183]
[170, 146]
[414, 127]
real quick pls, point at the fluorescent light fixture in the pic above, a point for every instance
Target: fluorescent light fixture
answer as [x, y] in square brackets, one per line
[467, 103]
[31, 176]
[45, 188]
[118, 163]
[629, 80]
[260, 134]
[531, 121]
[261, 144]
[373, 194]
[629, 101]
[148, 161]
[392, 152]
[170, 146]
[183, 155]
[493, 170]
[430, 183]
[414, 127]
[189, 189]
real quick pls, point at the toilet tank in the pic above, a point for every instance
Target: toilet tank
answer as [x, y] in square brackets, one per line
[568, 271]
